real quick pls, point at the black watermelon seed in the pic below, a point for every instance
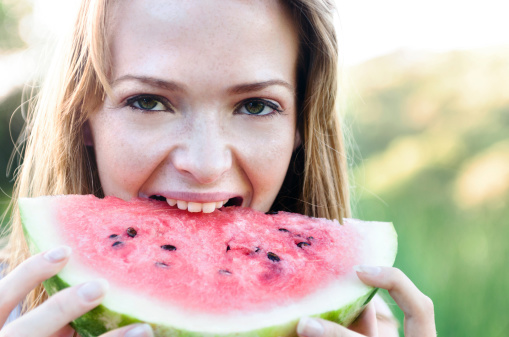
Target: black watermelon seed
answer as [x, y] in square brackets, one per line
[131, 232]
[169, 247]
[271, 212]
[284, 230]
[224, 272]
[113, 236]
[311, 238]
[303, 244]
[257, 249]
[273, 257]
[228, 248]
[161, 265]
[117, 244]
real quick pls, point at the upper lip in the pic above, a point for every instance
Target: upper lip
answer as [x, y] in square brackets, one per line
[194, 196]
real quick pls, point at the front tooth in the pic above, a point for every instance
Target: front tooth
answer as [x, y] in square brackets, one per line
[209, 207]
[181, 204]
[219, 204]
[194, 207]
[171, 202]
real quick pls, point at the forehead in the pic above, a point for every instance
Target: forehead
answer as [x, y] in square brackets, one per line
[216, 32]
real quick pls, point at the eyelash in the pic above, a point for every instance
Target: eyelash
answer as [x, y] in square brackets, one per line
[276, 109]
[131, 101]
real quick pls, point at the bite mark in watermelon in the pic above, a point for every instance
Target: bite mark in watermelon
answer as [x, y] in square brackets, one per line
[235, 271]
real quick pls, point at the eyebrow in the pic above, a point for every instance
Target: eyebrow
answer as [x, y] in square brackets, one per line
[152, 81]
[174, 86]
[244, 88]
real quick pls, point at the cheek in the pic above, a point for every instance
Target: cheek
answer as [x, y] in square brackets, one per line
[125, 155]
[266, 158]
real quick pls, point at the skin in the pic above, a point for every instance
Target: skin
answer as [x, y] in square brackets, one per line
[204, 146]
[199, 64]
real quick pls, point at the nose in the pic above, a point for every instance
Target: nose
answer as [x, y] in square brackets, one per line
[204, 154]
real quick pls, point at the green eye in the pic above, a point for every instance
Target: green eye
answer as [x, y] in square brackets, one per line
[149, 103]
[255, 108]
[259, 107]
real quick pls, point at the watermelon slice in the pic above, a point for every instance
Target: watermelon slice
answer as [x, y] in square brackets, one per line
[235, 271]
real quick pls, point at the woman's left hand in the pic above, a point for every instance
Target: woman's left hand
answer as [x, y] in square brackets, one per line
[417, 307]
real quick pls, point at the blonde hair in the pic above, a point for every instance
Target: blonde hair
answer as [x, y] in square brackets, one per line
[56, 160]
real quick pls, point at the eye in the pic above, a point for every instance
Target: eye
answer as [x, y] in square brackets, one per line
[259, 107]
[149, 103]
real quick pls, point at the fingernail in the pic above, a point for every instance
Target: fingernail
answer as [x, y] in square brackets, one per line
[141, 330]
[93, 290]
[57, 254]
[309, 327]
[371, 270]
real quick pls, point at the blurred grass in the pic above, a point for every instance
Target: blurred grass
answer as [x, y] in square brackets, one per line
[432, 157]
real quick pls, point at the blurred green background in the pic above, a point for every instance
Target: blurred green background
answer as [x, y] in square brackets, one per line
[430, 153]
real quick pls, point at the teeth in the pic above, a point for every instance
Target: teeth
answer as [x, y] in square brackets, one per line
[195, 207]
[209, 207]
[181, 204]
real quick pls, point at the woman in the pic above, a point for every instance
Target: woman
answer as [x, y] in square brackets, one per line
[200, 103]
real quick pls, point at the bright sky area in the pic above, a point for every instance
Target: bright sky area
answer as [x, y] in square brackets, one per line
[368, 28]
[371, 28]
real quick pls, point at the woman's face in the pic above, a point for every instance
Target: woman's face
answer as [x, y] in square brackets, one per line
[204, 105]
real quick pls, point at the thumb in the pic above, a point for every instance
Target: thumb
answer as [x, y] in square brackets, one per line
[317, 327]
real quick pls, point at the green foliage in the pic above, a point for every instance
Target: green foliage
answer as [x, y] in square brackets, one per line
[10, 14]
[447, 191]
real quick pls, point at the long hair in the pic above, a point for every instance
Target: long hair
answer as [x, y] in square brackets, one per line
[317, 179]
[57, 161]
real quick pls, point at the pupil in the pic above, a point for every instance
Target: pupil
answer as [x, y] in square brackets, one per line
[148, 103]
[255, 107]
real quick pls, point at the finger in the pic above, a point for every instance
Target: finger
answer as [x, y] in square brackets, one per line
[59, 310]
[136, 330]
[387, 324]
[417, 307]
[18, 283]
[366, 324]
[317, 327]
[66, 331]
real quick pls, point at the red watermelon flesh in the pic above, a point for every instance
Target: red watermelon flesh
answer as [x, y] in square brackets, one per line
[251, 259]
[233, 272]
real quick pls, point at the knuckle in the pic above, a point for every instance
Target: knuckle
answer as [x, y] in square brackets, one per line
[394, 278]
[427, 304]
[60, 305]
[423, 307]
[37, 269]
[398, 274]
[31, 268]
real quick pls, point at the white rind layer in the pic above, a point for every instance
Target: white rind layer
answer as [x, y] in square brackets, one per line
[380, 247]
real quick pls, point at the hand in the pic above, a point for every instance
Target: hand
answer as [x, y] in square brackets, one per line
[417, 307]
[51, 318]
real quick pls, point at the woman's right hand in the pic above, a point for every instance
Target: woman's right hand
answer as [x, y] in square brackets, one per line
[51, 319]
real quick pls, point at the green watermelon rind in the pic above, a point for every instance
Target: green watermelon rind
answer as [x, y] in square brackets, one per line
[89, 325]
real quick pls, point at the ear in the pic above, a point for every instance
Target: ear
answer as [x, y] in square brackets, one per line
[87, 134]
[297, 141]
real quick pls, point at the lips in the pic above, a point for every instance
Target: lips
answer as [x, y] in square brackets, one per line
[195, 207]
